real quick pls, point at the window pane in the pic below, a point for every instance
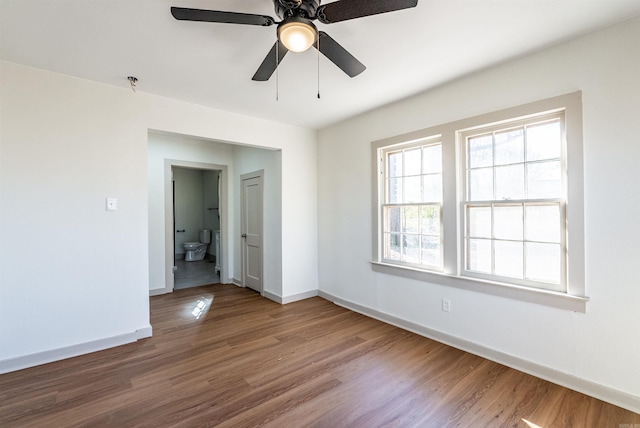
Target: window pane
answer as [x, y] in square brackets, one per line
[542, 223]
[544, 262]
[481, 184]
[480, 151]
[479, 222]
[410, 219]
[510, 182]
[479, 255]
[395, 164]
[432, 185]
[412, 160]
[507, 222]
[509, 147]
[412, 189]
[432, 159]
[544, 141]
[431, 250]
[544, 180]
[508, 258]
[392, 219]
[392, 246]
[394, 195]
[411, 248]
[430, 221]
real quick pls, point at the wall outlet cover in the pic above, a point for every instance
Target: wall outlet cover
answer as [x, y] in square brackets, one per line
[112, 204]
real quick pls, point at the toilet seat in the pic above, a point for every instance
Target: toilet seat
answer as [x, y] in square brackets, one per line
[190, 246]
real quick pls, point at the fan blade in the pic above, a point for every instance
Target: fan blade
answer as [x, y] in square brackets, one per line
[270, 63]
[339, 55]
[185, 14]
[351, 9]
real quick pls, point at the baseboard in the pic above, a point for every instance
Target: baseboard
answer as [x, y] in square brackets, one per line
[158, 291]
[39, 358]
[300, 296]
[271, 296]
[279, 299]
[290, 299]
[601, 392]
[143, 333]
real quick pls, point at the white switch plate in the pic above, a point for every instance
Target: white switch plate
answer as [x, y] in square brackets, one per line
[112, 204]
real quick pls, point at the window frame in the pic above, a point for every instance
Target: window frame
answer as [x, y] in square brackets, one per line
[462, 137]
[385, 201]
[453, 177]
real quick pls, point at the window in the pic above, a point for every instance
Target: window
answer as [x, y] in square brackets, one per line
[514, 202]
[490, 203]
[412, 207]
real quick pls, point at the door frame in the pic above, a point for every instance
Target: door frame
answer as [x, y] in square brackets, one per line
[224, 211]
[259, 174]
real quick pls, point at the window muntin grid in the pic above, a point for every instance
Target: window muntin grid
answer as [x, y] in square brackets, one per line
[514, 222]
[412, 205]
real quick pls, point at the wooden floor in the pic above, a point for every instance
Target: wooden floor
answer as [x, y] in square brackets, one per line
[247, 362]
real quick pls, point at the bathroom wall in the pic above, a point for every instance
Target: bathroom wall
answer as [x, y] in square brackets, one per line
[196, 191]
[189, 206]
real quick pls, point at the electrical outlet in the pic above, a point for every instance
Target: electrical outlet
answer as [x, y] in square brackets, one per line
[446, 305]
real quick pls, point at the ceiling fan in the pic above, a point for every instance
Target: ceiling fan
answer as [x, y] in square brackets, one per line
[296, 31]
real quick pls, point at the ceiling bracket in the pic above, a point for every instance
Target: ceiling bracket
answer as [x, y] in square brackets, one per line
[132, 81]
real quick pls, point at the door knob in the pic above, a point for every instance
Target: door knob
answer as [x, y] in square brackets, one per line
[244, 235]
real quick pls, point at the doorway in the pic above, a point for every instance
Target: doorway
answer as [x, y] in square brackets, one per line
[196, 219]
[185, 184]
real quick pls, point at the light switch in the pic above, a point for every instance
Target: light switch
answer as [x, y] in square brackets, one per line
[112, 204]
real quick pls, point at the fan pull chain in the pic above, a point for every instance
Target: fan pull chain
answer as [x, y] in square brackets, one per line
[277, 64]
[318, 66]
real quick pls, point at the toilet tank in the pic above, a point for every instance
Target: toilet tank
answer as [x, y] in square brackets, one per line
[205, 236]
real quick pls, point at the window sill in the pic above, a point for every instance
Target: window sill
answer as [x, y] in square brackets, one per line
[532, 295]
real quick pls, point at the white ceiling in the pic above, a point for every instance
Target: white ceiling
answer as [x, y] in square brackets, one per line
[211, 64]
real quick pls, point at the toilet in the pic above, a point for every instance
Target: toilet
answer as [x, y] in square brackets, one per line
[197, 250]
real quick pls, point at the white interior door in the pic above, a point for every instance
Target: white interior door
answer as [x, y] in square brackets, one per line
[252, 231]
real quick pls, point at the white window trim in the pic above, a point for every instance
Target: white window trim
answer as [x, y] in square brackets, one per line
[575, 297]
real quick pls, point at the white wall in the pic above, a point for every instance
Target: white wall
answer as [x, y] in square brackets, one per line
[180, 150]
[211, 200]
[239, 160]
[65, 145]
[247, 160]
[297, 211]
[598, 350]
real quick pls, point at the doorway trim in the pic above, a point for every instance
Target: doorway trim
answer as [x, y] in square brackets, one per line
[169, 217]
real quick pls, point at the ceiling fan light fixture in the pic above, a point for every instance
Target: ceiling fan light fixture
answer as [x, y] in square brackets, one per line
[297, 34]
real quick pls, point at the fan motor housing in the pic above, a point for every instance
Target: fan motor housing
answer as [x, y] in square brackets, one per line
[301, 8]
